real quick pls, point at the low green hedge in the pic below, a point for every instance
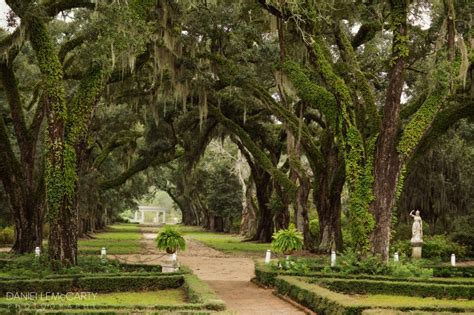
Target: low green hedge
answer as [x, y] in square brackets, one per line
[34, 285]
[140, 267]
[94, 284]
[449, 271]
[27, 311]
[318, 299]
[266, 276]
[404, 288]
[324, 301]
[22, 308]
[201, 298]
[107, 312]
[128, 270]
[116, 284]
[198, 291]
[115, 274]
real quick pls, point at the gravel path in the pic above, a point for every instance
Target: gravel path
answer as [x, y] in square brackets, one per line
[228, 275]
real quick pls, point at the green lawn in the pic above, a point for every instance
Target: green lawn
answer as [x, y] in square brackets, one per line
[117, 239]
[228, 243]
[147, 298]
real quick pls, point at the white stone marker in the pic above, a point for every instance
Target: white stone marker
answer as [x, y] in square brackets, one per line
[453, 260]
[268, 256]
[333, 258]
[103, 253]
[37, 251]
[396, 257]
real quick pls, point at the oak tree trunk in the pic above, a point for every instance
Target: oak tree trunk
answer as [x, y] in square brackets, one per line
[387, 162]
[327, 195]
[265, 217]
[249, 214]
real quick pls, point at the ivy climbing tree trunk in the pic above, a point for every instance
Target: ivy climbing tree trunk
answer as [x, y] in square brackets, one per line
[60, 170]
[387, 162]
[67, 131]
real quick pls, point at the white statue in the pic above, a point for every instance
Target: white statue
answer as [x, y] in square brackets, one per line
[417, 228]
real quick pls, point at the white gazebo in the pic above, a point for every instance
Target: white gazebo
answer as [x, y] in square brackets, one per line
[139, 215]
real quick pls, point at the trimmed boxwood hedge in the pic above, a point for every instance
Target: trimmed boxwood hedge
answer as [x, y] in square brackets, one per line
[95, 284]
[318, 299]
[404, 288]
[139, 267]
[324, 301]
[137, 270]
[198, 291]
[200, 296]
[119, 274]
[16, 308]
[450, 271]
[34, 285]
[266, 276]
[26, 311]
[117, 284]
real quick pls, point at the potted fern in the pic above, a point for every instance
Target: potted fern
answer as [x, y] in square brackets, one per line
[170, 240]
[287, 241]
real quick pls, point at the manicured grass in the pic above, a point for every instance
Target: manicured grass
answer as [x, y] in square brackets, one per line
[147, 298]
[228, 243]
[117, 239]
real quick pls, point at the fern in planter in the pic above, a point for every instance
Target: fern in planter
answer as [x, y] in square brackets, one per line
[287, 241]
[170, 240]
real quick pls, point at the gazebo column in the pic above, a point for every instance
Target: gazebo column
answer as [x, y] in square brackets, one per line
[164, 217]
[142, 220]
[135, 216]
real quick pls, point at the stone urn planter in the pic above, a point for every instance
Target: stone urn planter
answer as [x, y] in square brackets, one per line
[170, 241]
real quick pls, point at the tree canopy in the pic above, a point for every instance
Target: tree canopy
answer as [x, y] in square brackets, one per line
[262, 113]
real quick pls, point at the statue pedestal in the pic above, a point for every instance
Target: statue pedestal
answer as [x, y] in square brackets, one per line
[416, 250]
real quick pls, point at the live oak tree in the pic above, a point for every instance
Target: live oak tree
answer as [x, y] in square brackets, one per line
[22, 167]
[68, 116]
[376, 153]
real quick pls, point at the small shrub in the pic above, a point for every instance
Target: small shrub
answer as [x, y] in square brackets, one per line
[434, 247]
[299, 266]
[440, 246]
[170, 240]
[404, 269]
[403, 247]
[7, 235]
[286, 241]
[350, 263]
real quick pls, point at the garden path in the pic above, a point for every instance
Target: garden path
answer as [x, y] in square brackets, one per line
[228, 275]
